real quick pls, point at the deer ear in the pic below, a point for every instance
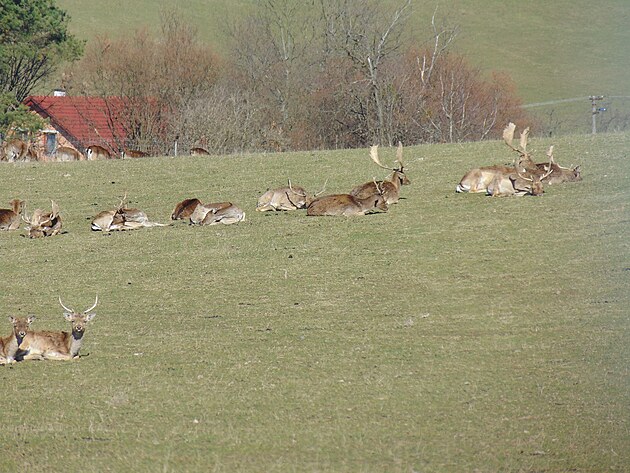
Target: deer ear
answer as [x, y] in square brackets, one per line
[68, 316]
[89, 316]
[30, 318]
[11, 318]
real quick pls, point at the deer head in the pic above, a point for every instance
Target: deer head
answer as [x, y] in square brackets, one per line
[398, 172]
[41, 223]
[78, 319]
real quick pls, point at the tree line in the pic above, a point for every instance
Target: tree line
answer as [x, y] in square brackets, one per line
[339, 74]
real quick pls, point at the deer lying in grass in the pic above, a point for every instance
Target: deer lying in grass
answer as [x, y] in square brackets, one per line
[225, 213]
[66, 153]
[347, 205]
[122, 218]
[390, 187]
[43, 224]
[10, 219]
[285, 198]
[9, 345]
[520, 183]
[48, 345]
[185, 209]
[560, 174]
[477, 180]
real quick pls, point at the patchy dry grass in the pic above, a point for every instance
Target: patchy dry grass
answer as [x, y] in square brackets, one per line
[454, 333]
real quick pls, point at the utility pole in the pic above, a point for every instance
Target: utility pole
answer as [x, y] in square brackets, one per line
[595, 110]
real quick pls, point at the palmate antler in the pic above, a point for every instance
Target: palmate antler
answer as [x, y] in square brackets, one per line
[399, 160]
[508, 137]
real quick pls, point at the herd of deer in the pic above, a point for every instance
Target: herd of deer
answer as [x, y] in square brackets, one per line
[524, 177]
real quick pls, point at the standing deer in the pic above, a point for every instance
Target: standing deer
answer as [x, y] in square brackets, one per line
[94, 152]
[10, 219]
[43, 224]
[390, 187]
[185, 209]
[347, 205]
[9, 345]
[47, 345]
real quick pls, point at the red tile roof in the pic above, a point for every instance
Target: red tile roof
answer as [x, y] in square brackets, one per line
[82, 120]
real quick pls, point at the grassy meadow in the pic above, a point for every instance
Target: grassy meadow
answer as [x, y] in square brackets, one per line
[454, 333]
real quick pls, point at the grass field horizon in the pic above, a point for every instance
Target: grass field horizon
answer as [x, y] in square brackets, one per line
[452, 333]
[552, 50]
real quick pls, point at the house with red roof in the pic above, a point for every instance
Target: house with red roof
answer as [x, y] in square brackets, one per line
[79, 122]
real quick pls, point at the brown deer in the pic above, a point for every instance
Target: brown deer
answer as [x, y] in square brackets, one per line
[560, 174]
[283, 198]
[48, 345]
[66, 153]
[14, 150]
[477, 180]
[10, 219]
[347, 205]
[134, 153]
[43, 224]
[9, 345]
[122, 218]
[225, 213]
[198, 151]
[94, 152]
[519, 182]
[389, 187]
[185, 209]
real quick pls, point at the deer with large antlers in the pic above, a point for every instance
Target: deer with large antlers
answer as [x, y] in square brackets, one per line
[9, 345]
[10, 219]
[560, 174]
[477, 180]
[49, 345]
[347, 205]
[390, 187]
[42, 223]
[122, 218]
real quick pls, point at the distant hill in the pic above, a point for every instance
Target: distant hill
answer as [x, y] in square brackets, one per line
[553, 50]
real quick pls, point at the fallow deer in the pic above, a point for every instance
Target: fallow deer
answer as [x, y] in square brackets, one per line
[198, 151]
[519, 183]
[48, 345]
[134, 153]
[10, 219]
[122, 218]
[389, 187]
[215, 213]
[185, 209]
[9, 345]
[14, 150]
[43, 224]
[560, 174]
[477, 180]
[283, 198]
[66, 153]
[94, 152]
[347, 205]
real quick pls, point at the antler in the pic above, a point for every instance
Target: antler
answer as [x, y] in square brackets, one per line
[122, 203]
[87, 310]
[508, 137]
[374, 156]
[55, 209]
[67, 308]
[399, 153]
[379, 187]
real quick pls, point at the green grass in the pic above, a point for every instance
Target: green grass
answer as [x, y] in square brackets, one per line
[453, 333]
[552, 50]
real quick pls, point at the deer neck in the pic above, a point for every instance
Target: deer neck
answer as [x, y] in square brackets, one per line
[395, 179]
[76, 340]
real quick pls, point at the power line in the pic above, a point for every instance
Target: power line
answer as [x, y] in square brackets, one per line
[574, 99]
